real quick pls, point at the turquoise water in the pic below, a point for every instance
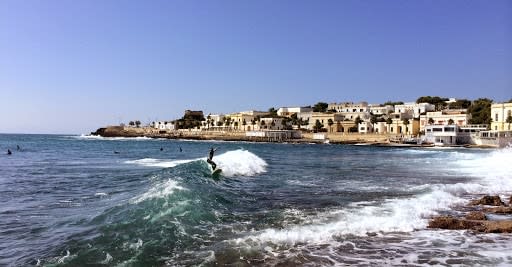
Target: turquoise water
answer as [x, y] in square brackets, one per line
[73, 201]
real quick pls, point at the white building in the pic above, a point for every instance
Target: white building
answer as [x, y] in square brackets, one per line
[365, 127]
[164, 125]
[287, 111]
[454, 116]
[377, 109]
[272, 124]
[416, 109]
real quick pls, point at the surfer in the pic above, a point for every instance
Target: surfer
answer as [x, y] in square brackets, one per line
[210, 156]
[18, 147]
[9, 152]
[181, 149]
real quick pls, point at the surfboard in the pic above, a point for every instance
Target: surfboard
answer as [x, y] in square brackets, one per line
[216, 172]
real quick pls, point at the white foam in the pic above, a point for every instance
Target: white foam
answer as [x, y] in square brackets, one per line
[160, 190]
[493, 170]
[161, 163]
[240, 162]
[98, 137]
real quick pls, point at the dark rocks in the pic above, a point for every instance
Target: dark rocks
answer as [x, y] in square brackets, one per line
[500, 210]
[476, 220]
[488, 200]
[451, 223]
[476, 215]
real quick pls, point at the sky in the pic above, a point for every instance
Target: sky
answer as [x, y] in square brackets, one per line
[70, 67]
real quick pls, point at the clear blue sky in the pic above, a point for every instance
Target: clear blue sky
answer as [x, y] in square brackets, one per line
[73, 66]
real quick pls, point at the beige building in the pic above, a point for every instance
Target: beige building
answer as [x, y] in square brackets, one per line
[459, 117]
[499, 114]
[324, 118]
[350, 110]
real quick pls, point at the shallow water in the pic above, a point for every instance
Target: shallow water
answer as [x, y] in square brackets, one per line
[72, 201]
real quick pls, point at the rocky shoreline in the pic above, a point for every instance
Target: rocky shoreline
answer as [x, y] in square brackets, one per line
[477, 217]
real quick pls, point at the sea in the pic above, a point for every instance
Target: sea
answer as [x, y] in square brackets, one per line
[78, 200]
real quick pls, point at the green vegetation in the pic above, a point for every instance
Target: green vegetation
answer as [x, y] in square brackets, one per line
[438, 102]
[191, 119]
[460, 104]
[393, 103]
[320, 107]
[480, 111]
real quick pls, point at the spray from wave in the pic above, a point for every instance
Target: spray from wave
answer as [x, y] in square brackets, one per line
[233, 163]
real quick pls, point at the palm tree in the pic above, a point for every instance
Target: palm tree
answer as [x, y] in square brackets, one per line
[406, 122]
[330, 122]
[509, 120]
[318, 125]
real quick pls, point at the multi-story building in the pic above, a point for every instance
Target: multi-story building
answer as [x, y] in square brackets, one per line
[416, 109]
[323, 118]
[376, 109]
[403, 124]
[459, 117]
[271, 124]
[287, 111]
[500, 114]
[350, 110]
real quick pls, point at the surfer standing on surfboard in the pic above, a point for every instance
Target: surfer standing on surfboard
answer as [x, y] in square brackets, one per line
[210, 156]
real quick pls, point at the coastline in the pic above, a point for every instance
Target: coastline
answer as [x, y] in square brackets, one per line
[383, 140]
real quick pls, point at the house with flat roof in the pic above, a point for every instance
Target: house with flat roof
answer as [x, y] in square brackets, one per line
[289, 111]
[416, 109]
[459, 117]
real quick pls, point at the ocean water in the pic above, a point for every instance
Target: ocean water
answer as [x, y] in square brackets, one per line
[72, 201]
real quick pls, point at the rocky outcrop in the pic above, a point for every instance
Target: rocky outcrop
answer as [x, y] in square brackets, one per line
[477, 220]
[476, 215]
[499, 210]
[452, 223]
[488, 200]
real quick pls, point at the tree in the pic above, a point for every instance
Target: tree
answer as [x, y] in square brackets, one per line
[438, 102]
[450, 122]
[430, 121]
[272, 112]
[393, 103]
[330, 122]
[373, 119]
[460, 104]
[358, 120]
[320, 107]
[509, 120]
[480, 111]
[318, 125]
[137, 123]
[389, 121]
[131, 123]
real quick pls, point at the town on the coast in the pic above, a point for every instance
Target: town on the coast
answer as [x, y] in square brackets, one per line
[429, 121]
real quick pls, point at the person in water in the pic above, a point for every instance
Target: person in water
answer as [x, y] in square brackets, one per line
[9, 152]
[210, 156]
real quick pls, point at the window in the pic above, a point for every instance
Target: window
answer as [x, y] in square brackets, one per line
[449, 129]
[496, 117]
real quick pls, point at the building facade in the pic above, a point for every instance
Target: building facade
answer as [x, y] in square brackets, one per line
[500, 114]
[459, 117]
[416, 109]
[287, 111]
